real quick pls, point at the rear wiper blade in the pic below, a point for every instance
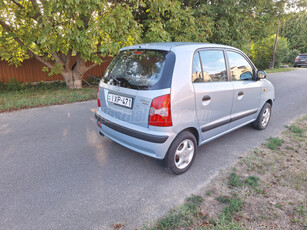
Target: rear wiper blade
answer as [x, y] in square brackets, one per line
[115, 79]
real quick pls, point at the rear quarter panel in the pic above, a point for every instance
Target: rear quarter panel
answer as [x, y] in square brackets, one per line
[182, 92]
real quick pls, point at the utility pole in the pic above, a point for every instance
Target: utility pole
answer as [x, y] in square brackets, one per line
[275, 46]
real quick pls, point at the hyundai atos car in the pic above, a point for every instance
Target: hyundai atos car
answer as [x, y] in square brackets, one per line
[166, 99]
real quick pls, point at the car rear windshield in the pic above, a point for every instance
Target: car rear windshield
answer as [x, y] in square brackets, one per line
[141, 69]
[303, 55]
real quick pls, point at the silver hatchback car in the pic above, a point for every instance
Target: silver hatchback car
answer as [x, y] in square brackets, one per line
[166, 99]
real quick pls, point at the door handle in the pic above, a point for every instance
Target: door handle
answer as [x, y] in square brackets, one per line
[206, 100]
[240, 95]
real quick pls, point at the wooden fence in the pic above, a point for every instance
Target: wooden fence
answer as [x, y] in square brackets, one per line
[31, 71]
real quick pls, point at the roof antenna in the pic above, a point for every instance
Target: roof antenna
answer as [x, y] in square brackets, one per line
[140, 47]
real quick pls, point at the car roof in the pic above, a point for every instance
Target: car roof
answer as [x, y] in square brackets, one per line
[175, 45]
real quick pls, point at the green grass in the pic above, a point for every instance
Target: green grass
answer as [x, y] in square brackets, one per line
[295, 129]
[278, 70]
[233, 207]
[273, 143]
[14, 96]
[208, 193]
[183, 216]
[251, 181]
[235, 180]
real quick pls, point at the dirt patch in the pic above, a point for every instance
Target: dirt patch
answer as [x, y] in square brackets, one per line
[278, 201]
[266, 189]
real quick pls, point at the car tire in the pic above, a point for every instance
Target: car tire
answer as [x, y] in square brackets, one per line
[263, 118]
[181, 154]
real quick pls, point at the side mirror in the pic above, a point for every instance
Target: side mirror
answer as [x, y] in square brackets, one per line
[261, 74]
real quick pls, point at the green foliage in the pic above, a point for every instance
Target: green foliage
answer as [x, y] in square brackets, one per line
[291, 56]
[53, 31]
[166, 21]
[56, 29]
[273, 143]
[237, 22]
[294, 28]
[13, 84]
[261, 52]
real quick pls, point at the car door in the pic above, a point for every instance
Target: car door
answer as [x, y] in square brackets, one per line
[213, 92]
[247, 90]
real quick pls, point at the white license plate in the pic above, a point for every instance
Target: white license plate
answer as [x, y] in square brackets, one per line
[120, 100]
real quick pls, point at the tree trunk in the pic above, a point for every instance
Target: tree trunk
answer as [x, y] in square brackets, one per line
[275, 47]
[73, 77]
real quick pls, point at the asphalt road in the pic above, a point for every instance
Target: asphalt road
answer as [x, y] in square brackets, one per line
[56, 172]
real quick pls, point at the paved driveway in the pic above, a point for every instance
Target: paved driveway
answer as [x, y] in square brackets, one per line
[56, 172]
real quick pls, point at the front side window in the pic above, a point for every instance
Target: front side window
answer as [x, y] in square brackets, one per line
[240, 68]
[213, 65]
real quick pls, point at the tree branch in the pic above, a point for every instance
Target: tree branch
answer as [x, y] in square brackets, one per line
[17, 4]
[57, 58]
[8, 29]
[35, 6]
[42, 60]
[31, 54]
[95, 64]
[91, 66]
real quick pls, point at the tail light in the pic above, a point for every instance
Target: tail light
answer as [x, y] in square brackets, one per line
[160, 111]
[98, 99]
[296, 59]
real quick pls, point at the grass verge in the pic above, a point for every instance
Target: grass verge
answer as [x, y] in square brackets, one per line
[277, 70]
[266, 189]
[15, 97]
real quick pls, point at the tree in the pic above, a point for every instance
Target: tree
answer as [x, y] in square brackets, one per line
[167, 21]
[262, 51]
[294, 28]
[53, 31]
[237, 22]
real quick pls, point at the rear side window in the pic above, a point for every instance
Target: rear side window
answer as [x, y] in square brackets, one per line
[240, 68]
[141, 69]
[213, 66]
[197, 72]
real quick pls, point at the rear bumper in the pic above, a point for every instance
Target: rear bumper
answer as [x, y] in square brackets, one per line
[149, 143]
[300, 63]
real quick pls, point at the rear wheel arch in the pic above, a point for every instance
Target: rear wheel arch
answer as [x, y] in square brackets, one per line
[194, 131]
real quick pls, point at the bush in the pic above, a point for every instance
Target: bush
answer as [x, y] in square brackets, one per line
[291, 56]
[13, 84]
[2, 86]
[261, 52]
